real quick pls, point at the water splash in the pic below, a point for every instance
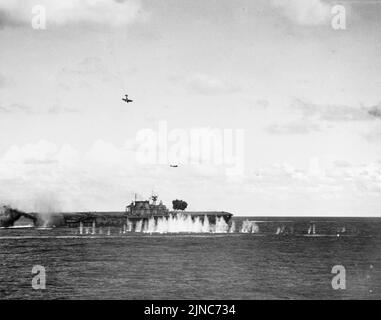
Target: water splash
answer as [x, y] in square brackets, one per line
[128, 226]
[232, 227]
[139, 226]
[177, 223]
[180, 223]
[46, 222]
[249, 227]
[81, 228]
[280, 230]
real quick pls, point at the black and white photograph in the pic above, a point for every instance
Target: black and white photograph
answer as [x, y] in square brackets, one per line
[190, 150]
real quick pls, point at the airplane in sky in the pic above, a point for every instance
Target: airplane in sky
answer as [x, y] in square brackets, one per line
[126, 99]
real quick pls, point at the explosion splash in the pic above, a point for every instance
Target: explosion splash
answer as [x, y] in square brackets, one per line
[180, 223]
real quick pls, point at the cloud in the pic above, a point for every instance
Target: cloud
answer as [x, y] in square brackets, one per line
[208, 84]
[375, 111]
[76, 177]
[336, 112]
[5, 19]
[41, 152]
[103, 12]
[323, 178]
[304, 12]
[310, 115]
[102, 176]
[105, 176]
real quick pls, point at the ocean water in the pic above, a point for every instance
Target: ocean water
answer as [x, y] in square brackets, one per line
[276, 258]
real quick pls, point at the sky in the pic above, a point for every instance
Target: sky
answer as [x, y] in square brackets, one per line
[296, 101]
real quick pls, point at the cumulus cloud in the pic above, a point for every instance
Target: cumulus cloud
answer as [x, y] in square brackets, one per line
[77, 179]
[105, 12]
[46, 176]
[42, 152]
[103, 176]
[304, 12]
[326, 178]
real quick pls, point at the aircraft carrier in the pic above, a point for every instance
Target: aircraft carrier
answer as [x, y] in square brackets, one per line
[140, 212]
[137, 212]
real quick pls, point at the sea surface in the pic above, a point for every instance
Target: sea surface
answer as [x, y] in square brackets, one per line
[281, 258]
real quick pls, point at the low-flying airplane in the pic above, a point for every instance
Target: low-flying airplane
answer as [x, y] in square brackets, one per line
[173, 165]
[126, 99]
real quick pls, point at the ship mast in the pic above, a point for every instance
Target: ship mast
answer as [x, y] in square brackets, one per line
[154, 198]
